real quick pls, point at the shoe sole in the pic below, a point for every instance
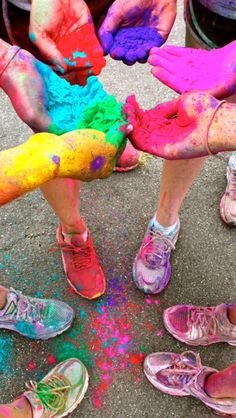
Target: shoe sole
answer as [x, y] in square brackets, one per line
[194, 344]
[125, 169]
[53, 335]
[98, 295]
[80, 398]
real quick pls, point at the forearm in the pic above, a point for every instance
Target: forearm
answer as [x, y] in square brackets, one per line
[222, 133]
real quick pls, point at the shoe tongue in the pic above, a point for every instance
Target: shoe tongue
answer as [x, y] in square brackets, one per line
[35, 403]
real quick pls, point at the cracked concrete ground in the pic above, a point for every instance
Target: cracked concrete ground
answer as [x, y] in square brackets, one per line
[117, 211]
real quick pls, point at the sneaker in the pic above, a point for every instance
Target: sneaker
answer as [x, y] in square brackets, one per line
[184, 375]
[81, 266]
[129, 159]
[35, 318]
[152, 268]
[196, 325]
[228, 201]
[60, 392]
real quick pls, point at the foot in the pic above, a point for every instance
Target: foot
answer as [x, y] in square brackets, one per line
[129, 159]
[196, 325]
[60, 392]
[152, 268]
[184, 375]
[228, 201]
[81, 266]
[35, 318]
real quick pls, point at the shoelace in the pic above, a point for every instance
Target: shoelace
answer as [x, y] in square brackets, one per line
[52, 393]
[82, 257]
[183, 371]
[161, 244]
[205, 319]
[25, 309]
[232, 185]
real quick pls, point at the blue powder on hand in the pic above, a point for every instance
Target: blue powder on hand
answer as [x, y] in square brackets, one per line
[134, 44]
[74, 107]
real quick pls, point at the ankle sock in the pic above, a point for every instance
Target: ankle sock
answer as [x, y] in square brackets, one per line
[168, 231]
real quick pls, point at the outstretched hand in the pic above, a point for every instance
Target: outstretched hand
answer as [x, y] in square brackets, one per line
[173, 130]
[188, 69]
[51, 21]
[151, 15]
[25, 87]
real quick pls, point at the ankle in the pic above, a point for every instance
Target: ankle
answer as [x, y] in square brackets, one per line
[20, 408]
[166, 220]
[211, 385]
[74, 228]
[3, 297]
[232, 314]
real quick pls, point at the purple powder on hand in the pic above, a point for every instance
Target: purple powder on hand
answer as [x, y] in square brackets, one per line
[134, 44]
[97, 163]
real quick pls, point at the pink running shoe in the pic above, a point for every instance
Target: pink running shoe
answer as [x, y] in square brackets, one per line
[184, 375]
[196, 325]
[228, 201]
[129, 159]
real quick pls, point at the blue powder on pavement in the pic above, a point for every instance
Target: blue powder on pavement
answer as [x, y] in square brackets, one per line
[6, 354]
[75, 107]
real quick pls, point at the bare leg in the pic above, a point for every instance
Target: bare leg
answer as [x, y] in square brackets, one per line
[232, 314]
[63, 195]
[177, 178]
[222, 384]
[3, 297]
[17, 409]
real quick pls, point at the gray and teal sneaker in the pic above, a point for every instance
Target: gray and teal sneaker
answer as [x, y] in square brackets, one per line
[60, 391]
[35, 318]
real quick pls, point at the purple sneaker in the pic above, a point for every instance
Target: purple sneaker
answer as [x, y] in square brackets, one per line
[184, 375]
[152, 268]
[196, 325]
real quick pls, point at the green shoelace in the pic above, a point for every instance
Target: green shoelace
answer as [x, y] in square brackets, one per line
[52, 393]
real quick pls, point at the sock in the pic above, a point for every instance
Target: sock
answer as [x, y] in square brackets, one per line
[168, 231]
[69, 237]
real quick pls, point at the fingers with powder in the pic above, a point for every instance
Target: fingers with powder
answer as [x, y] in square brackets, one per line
[50, 26]
[184, 69]
[180, 129]
[132, 27]
[25, 87]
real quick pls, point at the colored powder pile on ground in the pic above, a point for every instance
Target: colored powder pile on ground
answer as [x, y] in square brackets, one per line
[81, 50]
[76, 107]
[111, 336]
[134, 44]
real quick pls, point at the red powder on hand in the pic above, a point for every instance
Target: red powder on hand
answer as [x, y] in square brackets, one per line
[82, 52]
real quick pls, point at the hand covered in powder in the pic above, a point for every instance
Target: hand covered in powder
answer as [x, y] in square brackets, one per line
[132, 27]
[174, 130]
[25, 87]
[187, 69]
[52, 21]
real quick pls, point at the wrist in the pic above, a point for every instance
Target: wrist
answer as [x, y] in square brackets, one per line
[7, 53]
[222, 133]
